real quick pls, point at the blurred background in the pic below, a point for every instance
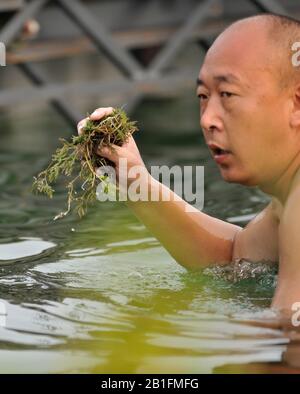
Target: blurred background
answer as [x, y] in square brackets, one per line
[100, 294]
[66, 57]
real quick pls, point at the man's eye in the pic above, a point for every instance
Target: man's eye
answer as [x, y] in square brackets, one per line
[202, 96]
[226, 94]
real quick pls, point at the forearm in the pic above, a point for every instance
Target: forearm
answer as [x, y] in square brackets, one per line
[193, 238]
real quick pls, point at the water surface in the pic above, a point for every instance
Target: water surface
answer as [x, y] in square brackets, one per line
[100, 294]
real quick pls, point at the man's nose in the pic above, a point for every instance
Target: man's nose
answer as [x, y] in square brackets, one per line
[209, 119]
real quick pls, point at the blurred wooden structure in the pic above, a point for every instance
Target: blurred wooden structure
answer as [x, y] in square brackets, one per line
[116, 30]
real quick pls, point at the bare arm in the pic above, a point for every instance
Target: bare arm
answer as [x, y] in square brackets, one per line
[258, 240]
[193, 238]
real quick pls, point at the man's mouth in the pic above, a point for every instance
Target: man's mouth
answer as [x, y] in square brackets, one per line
[220, 151]
[216, 149]
[219, 154]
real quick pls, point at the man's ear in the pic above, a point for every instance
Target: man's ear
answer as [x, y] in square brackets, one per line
[295, 115]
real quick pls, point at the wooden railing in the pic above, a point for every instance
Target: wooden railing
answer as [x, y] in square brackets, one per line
[204, 21]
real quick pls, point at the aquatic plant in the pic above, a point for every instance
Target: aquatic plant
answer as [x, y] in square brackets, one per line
[78, 159]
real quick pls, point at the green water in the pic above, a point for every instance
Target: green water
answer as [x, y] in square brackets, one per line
[101, 294]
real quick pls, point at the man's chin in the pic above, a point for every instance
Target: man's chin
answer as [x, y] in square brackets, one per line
[231, 176]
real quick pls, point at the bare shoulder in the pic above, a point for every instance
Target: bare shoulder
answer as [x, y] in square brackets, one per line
[258, 240]
[290, 216]
[288, 291]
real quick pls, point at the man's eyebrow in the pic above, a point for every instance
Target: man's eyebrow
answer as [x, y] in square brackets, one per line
[229, 78]
[199, 82]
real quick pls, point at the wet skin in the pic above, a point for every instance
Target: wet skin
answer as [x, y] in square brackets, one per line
[243, 110]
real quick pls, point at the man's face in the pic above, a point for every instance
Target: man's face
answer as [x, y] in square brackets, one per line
[243, 109]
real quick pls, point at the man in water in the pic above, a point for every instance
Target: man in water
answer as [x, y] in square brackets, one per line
[249, 93]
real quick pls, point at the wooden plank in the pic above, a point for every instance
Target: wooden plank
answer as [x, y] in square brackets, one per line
[162, 85]
[47, 49]
[42, 50]
[11, 5]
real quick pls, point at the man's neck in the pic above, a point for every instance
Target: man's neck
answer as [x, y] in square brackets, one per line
[280, 189]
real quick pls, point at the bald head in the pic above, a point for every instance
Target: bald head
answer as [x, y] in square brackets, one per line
[278, 33]
[249, 101]
[284, 32]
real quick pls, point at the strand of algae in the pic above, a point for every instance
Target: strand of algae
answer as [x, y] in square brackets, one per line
[78, 159]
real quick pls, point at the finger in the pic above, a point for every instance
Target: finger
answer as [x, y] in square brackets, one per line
[129, 141]
[81, 125]
[111, 153]
[101, 112]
